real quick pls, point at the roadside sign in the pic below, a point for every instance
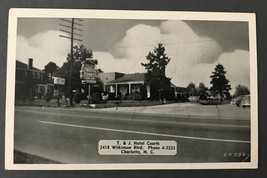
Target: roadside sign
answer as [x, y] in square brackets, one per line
[59, 81]
[90, 81]
[89, 74]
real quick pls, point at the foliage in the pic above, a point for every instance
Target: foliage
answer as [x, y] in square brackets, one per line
[111, 96]
[201, 89]
[96, 98]
[100, 71]
[160, 85]
[133, 96]
[80, 55]
[241, 90]
[64, 72]
[220, 85]
[157, 62]
[78, 97]
[172, 94]
[143, 92]
[48, 97]
[192, 88]
[51, 68]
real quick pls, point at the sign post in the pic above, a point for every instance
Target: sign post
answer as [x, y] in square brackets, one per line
[89, 74]
[58, 81]
[89, 93]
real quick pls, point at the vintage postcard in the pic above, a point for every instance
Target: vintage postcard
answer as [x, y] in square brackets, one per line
[115, 89]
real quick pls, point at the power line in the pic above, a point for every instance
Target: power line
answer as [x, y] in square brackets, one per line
[63, 25]
[70, 38]
[71, 27]
[69, 32]
[175, 43]
[136, 62]
[71, 22]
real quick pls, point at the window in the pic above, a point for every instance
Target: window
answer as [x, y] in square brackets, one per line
[37, 75]
[25, 75]
[41, 76]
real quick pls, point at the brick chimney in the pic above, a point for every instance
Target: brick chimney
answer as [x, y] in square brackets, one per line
[30, 61]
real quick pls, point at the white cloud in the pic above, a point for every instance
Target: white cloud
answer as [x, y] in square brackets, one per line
[193, 58]
[183, 46]
[236, 65]
[43, 47]
[108, 63]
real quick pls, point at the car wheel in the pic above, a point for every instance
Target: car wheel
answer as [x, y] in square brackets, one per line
[244, 106]
[237, 105]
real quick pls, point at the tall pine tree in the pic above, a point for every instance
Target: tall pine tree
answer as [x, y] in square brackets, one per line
[159, 84]
[220, 85]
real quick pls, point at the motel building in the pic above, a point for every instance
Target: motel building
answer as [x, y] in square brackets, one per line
[121, 84]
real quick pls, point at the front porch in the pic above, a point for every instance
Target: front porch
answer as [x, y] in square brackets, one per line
[43, 89]
[127, 88]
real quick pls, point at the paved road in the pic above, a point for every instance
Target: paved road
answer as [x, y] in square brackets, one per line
[72, 135]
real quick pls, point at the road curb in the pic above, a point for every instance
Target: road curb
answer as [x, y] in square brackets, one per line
[175, 116]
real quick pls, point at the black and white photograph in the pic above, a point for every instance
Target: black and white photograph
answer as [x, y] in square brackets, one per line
[110, 89]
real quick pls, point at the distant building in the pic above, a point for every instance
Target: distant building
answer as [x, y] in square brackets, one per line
[30, 81]
[108, 77]
[182, 93]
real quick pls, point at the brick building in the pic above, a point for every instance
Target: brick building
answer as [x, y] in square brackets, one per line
[30, 81]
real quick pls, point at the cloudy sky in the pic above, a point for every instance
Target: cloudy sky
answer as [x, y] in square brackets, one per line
[195, 47]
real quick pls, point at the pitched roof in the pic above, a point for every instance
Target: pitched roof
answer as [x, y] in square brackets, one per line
[22, 65]
[181, 89]
[136, 77]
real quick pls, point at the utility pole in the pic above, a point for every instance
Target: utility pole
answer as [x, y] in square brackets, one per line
[70, 28]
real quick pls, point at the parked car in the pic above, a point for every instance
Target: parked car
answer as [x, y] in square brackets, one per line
[245, 102]
[237, 100]
[193, 99]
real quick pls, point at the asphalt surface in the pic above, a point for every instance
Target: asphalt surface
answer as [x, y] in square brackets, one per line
[72, 135]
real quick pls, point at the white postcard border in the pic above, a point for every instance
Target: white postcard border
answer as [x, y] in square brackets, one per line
[16, 13]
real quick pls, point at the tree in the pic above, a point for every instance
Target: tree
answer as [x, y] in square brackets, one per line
[160, 85]
[157, 62]
[192, 88]
[100, 71]
[220, 85]
[241, 90]
[51, 68]
[201, 89]
[80, 54]
[143, 91]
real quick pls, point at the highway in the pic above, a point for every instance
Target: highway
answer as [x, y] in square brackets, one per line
[72, 135]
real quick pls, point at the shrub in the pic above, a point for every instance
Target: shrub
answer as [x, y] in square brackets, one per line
[97, 98]
[48, 97]
[143, 92]
[136, 96]
[77, 97]
[111, 96]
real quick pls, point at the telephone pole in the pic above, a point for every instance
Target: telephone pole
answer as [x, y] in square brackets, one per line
[70, 27]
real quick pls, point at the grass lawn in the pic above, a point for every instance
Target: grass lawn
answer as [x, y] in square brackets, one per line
[83, 103]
